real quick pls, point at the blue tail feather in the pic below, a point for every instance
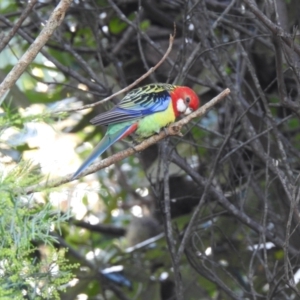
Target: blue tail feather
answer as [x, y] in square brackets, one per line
[105, 143]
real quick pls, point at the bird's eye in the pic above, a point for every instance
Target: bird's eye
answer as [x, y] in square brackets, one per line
[187, 100]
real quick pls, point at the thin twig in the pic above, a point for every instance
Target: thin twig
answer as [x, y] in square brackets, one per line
[224, 13]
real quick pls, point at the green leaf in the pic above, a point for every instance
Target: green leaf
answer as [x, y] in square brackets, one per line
[116, 26]
[145, 25]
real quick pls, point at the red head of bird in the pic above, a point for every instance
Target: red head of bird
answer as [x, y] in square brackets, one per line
[184, 100]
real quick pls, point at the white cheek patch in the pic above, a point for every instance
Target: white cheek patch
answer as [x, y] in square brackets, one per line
[188, 111]
[181, 107]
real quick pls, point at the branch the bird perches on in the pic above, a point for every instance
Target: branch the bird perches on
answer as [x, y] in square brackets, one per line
[173, 129]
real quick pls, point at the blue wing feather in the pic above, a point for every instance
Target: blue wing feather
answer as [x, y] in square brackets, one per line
[137, 104]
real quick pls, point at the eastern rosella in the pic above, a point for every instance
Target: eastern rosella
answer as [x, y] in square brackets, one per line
[145, 111]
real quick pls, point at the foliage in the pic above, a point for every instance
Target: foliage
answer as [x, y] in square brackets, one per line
[30, 264]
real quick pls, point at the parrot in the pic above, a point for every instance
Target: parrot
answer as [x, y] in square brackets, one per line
[144, 111]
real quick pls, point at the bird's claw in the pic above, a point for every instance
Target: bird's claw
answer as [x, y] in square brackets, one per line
[175, 129]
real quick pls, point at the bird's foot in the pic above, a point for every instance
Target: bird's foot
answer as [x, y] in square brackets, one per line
[175, 130]
[132, 144]
[172, 130]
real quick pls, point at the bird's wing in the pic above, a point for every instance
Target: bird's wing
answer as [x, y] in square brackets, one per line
[137, 104]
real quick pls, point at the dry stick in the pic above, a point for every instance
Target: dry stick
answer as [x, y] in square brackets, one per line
[173, 129]
[54, 21]
[130, 86]
[13, 31]
[224, 13]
